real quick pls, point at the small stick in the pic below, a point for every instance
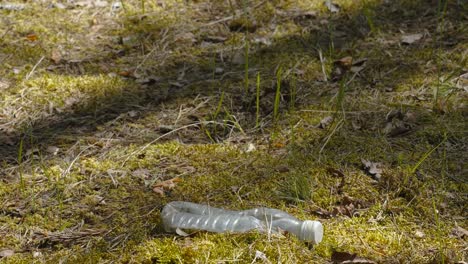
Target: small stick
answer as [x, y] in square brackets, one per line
[322, 61]
[34, 68]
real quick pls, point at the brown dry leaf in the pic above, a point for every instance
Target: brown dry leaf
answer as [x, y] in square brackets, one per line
[347, 210]
[279, 145]
[345, 257]
[462, 82]
[345, 62]
[282, 168]
[372, 168]
[187, 37]
[126, 73]
[53, 150]
[411, 38]
[31, 37]
[325, 122]
[323, 213]
[167, 185]
[358, 65]
[396, 128]
[399, 123]
[332, 7]
[6, 253]
[341, 66]
[56, 56]
[358, 203]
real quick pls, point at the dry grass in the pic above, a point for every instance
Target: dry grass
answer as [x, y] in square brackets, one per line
[99, 103]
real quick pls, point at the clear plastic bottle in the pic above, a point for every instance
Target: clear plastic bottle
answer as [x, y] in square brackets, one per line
[186, 215]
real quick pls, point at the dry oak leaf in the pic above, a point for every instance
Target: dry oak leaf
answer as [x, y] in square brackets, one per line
[373, 168]
[166, 185]
[411, 38]
[345, 257]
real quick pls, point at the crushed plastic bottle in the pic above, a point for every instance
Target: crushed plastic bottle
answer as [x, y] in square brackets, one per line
[186, 215]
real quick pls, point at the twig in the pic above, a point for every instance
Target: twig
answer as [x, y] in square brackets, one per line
[74, 160]
[338, 126]
[322, 61]
[34, 68]
[224, 19]
[347, 112]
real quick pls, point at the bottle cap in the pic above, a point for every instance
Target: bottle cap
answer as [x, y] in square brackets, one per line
[311, 231]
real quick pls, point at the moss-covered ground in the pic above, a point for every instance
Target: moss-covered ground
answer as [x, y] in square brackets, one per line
[109, 110]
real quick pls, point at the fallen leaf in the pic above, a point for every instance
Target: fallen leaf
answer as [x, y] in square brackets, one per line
[56, 56]
[345, 257]
[279, 145]
[339, 257]
[262, 40]
[325, 122]
[167, 185]
[31, 37]
[411, 38]
[282, 168]
[53, 150]
[165, 129]
[141, 173]
[345, 62]
[16, 70]
[341, 66]
[396, 128]
[462, 82]
[117, 5]
[219, 70]
[357, 125]
[358, 203]
[187, 37]
[125, 73]
[250, 147]
[372, 168]
[332, 7]
[132, 113]
[261, 255]
[6, 253]
[159, 191]
[419, 234]
[347, 210]
[323, 213]
[180, 232]
[399, 123]
[358, 65]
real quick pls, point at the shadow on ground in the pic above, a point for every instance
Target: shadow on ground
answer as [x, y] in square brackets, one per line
[339, 35]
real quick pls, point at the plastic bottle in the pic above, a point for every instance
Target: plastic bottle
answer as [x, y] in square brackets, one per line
[186, 215]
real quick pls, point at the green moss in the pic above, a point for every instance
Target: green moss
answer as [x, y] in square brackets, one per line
[98, 188]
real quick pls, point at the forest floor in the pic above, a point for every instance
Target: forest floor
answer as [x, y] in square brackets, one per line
[352, 113]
